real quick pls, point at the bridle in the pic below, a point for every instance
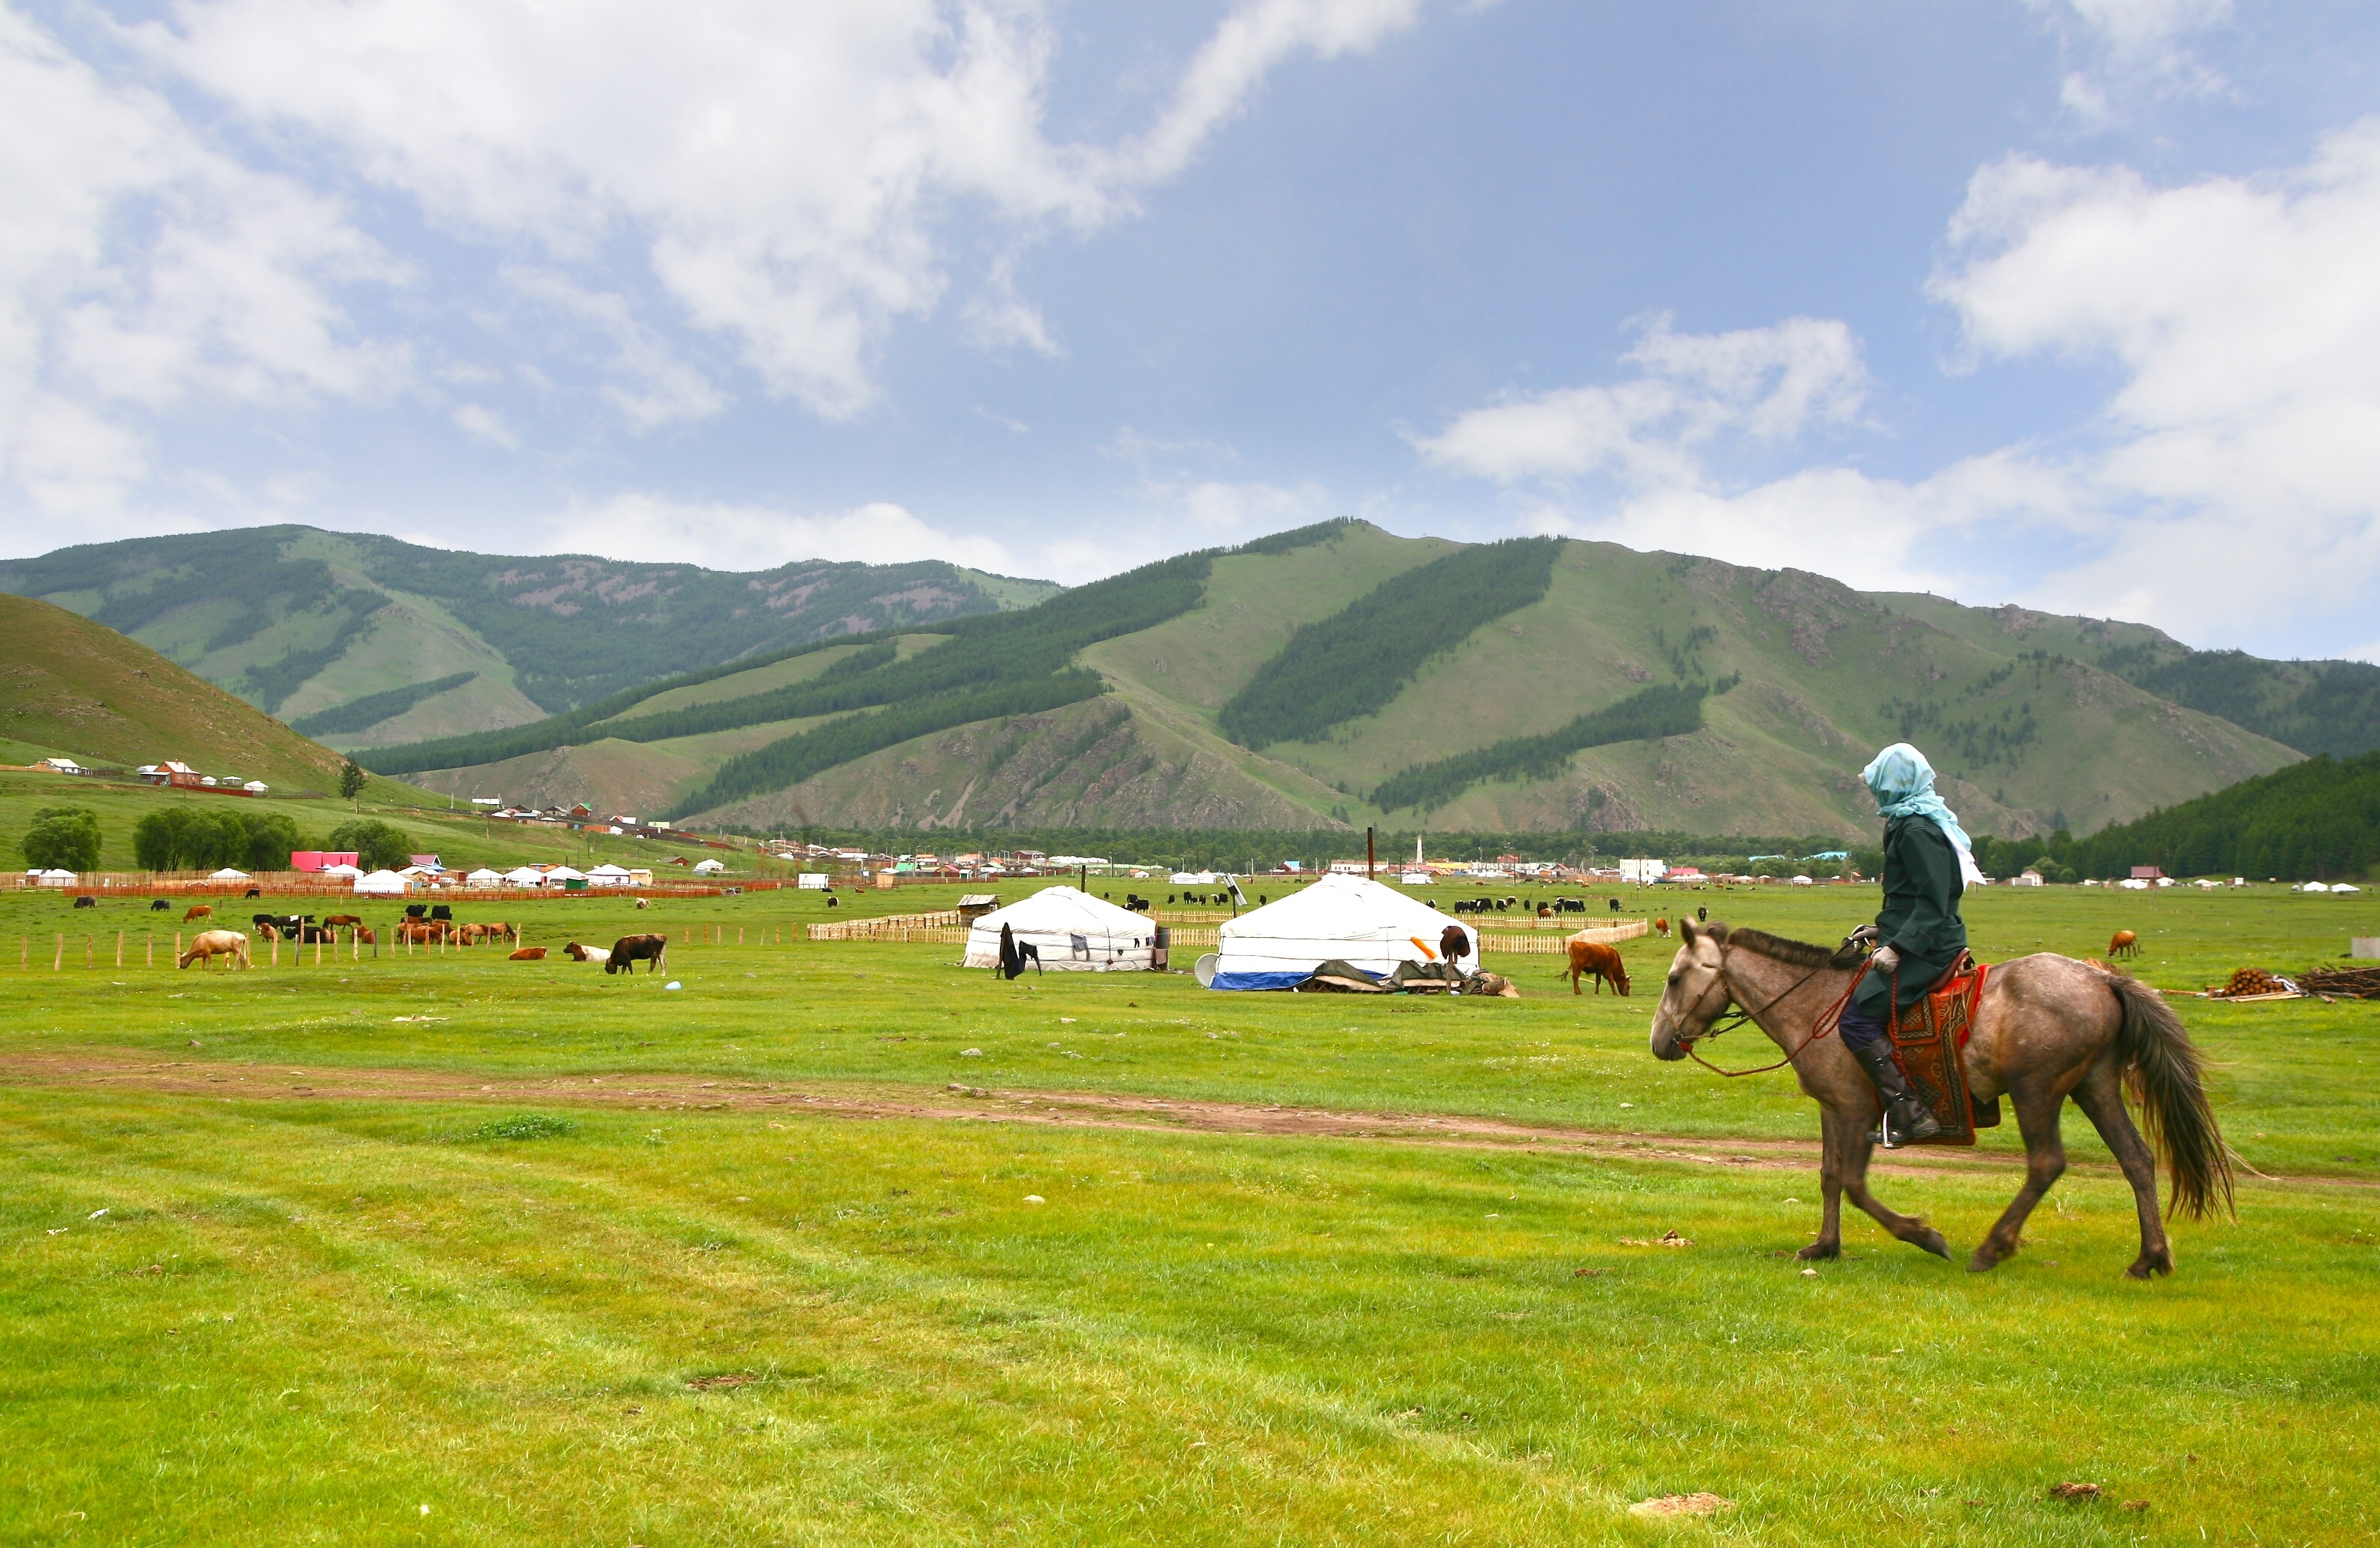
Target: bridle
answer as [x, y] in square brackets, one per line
[1736, 1016]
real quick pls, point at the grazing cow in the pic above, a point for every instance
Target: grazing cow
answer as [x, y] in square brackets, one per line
[199, 911]
[1615, 904]
[1703, 915]
[1661, 927]
[253, 891]
[158, 905]
[642, 904]
[336, 921]
[529, 954]
[416, 910]
[211, 944]
[1602, 963]
[2125, 943]
[577, 953]
[832, 901]
[441, 911]
[1453, 945]
[629, 950]
[86, 902]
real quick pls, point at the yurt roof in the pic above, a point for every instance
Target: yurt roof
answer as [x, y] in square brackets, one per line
[1067, 909]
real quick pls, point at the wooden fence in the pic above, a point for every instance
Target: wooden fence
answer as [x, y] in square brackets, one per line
[894, 927]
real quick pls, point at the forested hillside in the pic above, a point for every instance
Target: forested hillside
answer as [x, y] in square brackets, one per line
[301, 622]
[2315, 821]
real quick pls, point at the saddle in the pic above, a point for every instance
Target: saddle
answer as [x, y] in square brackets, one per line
[1929, 1041]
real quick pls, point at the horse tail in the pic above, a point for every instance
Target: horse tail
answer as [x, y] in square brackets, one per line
[2165, 1072]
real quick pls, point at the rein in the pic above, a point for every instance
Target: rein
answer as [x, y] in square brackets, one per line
[1728, 1021]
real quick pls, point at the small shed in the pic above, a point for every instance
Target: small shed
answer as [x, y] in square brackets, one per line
[973, 906]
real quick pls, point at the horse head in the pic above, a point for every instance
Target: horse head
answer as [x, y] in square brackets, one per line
[1696, 991]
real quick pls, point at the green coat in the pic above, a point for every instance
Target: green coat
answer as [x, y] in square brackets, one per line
[1922, 885]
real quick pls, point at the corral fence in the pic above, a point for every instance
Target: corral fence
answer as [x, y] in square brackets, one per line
[167, 883]
[940, 927]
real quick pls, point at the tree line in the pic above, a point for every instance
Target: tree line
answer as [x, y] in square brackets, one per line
[1356, 660]
[373, 708]
[1664, 710]
[201, 837]
[2315, 821]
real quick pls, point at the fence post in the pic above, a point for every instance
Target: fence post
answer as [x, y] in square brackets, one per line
[177, 947]
[89, 951]
[60, 959]
[119, 948]
[153, 950]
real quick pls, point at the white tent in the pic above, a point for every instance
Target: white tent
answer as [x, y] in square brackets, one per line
[483, 877]
[383, 881]
[1069, 928]
[564, 874]
[342, 870]
[708, 868]
[228, 874]
[525, 876]
[1368, 924]
[62, 878]
[609, 875]
[1194, 878]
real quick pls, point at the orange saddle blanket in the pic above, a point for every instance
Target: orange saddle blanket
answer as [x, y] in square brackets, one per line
[1929, 1040]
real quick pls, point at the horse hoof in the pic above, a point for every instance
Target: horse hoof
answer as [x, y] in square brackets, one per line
[1932, 1242]
[1982, 1263]
[1820, 1250]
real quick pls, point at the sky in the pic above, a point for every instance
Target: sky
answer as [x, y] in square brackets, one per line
[2069, 304]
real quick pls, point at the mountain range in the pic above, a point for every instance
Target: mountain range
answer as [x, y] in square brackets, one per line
[1334, 674]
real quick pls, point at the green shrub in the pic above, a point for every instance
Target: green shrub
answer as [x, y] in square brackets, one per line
[520, 1126]
[377, 845]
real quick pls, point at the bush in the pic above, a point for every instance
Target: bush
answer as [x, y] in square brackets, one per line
[523, 1126]
[378, 845]
[63, 838]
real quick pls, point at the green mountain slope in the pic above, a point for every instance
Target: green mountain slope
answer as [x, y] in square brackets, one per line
[68, 684]
[300, 621]
[1616, 691]
[2313, 706]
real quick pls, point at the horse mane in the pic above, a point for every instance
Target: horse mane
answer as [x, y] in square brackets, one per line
[1797, 954]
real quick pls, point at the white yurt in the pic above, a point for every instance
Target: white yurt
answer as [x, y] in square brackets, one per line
[56, 878]
[609, 875]
[708, 868]
[524, 876]
[342, 870]
[383, 884]
[1071, 930]
[1366, 923]
[483, 877]
[229, 875]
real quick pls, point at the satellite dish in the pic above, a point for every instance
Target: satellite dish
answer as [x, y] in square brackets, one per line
[1206, 969]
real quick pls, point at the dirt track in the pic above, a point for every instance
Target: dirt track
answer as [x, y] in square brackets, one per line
[124, 1070]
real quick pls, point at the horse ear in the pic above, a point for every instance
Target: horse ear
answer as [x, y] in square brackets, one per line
[1689, 930]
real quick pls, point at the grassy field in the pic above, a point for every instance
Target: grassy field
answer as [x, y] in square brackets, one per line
[294, 1254]
[461, 838]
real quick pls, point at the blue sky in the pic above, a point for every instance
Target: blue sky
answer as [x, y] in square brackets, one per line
[2065, 302]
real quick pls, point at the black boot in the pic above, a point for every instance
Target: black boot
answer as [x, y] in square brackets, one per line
[1906, 1119]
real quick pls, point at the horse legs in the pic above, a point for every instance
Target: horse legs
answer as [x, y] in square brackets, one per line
[1857, 1147]
[2044, 1161]
[2101, 1097]
[1830, 1183]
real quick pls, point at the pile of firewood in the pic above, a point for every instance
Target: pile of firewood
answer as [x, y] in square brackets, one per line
[2251, 981]
[2342, 984]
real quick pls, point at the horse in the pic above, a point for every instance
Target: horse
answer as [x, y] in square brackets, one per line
[199, 911]
[1453, 945]
[2124, 944]
[338, 921]
[1593, 959]
[629, 950]
[2048, 1028]
[211, 944]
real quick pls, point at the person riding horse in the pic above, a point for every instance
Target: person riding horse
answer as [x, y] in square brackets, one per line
[1927, 863]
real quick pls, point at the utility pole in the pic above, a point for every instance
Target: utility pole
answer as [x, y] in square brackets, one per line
[1367, 854]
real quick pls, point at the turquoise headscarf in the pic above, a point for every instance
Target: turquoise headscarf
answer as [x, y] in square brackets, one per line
[1902, 783]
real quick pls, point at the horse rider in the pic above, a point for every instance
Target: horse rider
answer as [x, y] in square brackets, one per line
[1928, 861]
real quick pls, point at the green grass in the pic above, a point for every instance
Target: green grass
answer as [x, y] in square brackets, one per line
[302, 1320]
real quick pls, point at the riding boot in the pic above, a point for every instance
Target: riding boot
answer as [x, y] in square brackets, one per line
[1906, 1119]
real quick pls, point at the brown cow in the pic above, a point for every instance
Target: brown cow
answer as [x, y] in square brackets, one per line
[1661, 928]
[1453, 945]
[199, 911]
[2125, 943]
[211, 944]
[529, 954]
[337, 921]
[629, 950]
[1596, 960]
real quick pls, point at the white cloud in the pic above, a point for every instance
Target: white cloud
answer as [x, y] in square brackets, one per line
[1763, 384]
[2126, 48]
[650, 384]
[485, 425]
[784, 164]
[720, 535]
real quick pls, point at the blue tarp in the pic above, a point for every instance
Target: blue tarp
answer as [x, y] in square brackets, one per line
[1259, 980]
